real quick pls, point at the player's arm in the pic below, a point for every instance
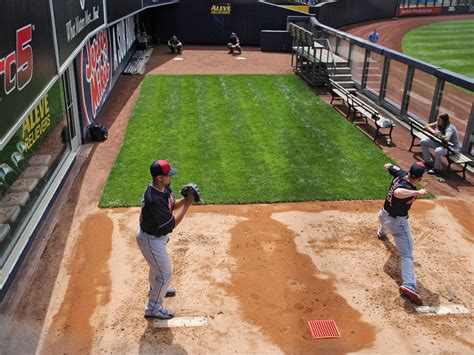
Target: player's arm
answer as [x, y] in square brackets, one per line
[429, 128]
[405, 193]
[392, 169]
[179, 203]
[447, 137]
[183, 207]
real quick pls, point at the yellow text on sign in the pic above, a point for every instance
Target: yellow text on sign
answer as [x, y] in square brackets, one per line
[36, 123]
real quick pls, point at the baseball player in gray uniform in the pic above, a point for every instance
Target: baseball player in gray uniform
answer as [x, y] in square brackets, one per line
[393, 218]
[160, 214]
[447, 133]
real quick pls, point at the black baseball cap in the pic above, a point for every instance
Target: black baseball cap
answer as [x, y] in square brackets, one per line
[417, 170]
[162, 167]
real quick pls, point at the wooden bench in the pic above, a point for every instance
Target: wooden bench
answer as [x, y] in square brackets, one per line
[418, 131]
[360, 109]
[338, 93]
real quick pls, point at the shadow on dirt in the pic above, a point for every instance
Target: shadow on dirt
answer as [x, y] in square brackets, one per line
[392, 269]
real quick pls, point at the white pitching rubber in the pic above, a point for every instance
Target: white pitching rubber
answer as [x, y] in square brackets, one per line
[450, 309]
[180, 322]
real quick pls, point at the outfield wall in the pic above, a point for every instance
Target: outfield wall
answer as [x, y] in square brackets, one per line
[347, 12]
[59, 61]
[197, 22]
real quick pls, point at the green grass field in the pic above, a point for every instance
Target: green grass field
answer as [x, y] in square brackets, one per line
[449, 45]
[245, 139]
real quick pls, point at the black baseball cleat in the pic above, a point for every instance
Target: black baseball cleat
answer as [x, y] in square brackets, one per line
[412, 295]
[171, 292]
[381, 236]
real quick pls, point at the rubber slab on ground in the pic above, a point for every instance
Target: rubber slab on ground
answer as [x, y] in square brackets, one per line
[450, 309]
[180, 322]
[321, 329]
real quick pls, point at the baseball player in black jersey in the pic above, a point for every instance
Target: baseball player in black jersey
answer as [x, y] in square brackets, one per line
[160, 214]
[393, 218]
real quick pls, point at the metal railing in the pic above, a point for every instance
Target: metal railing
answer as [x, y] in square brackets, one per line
[425, 90]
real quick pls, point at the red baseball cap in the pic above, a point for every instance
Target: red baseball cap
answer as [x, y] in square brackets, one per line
[162, 167]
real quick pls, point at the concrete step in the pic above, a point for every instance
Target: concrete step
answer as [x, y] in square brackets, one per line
[346, 84]
[342, 70]
[342, 77]
[341, 63]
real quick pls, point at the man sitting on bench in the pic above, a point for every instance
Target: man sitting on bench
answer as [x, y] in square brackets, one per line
[234, 44]
[447, 133]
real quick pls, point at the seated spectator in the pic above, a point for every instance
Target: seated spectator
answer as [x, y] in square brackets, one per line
[175, 45]
[234, 44]
[447, 133]
[144, 40]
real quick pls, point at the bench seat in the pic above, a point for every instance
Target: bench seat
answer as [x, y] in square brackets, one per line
[34, 172]
[460, 159]
[14, 199]
[39, 160]
[9, 214]
[24, 185]
[4, 229]
[361, 109]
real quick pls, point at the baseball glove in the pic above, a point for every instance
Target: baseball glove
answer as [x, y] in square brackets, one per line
[193, 187]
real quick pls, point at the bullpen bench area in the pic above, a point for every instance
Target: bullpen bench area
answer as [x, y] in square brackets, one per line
[359, 109]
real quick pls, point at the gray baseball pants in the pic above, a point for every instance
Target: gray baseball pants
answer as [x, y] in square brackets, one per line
[155, 253]
[400, 229]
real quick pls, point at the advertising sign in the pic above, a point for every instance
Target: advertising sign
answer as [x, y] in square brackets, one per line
[95, 74]
[221, 9]
[74, 20]
[100, 64]
[27, 62]
[419, 11]
[122, 37]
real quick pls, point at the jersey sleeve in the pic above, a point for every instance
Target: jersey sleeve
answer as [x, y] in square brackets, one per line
[449, 133]
[394, 170]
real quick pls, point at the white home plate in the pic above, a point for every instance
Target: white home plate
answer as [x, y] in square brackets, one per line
[451, 309]
[240, 58]
[178, 58]
[180, 322]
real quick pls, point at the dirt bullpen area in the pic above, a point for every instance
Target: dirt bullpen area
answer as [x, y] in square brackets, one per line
[257, 273]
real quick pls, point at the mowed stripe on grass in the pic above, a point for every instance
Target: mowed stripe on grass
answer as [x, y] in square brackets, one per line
[244, 139]
[449, 45]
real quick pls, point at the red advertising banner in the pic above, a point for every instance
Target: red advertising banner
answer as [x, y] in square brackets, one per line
[419, 11]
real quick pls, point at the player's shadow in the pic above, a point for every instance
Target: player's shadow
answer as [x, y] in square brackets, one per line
[392, 268]
[159, 340]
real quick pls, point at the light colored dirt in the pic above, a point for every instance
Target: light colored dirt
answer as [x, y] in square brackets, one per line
[257, 272]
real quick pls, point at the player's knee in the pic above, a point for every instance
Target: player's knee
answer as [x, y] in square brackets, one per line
[425, 141]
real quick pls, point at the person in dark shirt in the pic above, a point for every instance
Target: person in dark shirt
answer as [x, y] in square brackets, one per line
[393, 218]
[160, 214]
[234, 44]
[175, 45]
